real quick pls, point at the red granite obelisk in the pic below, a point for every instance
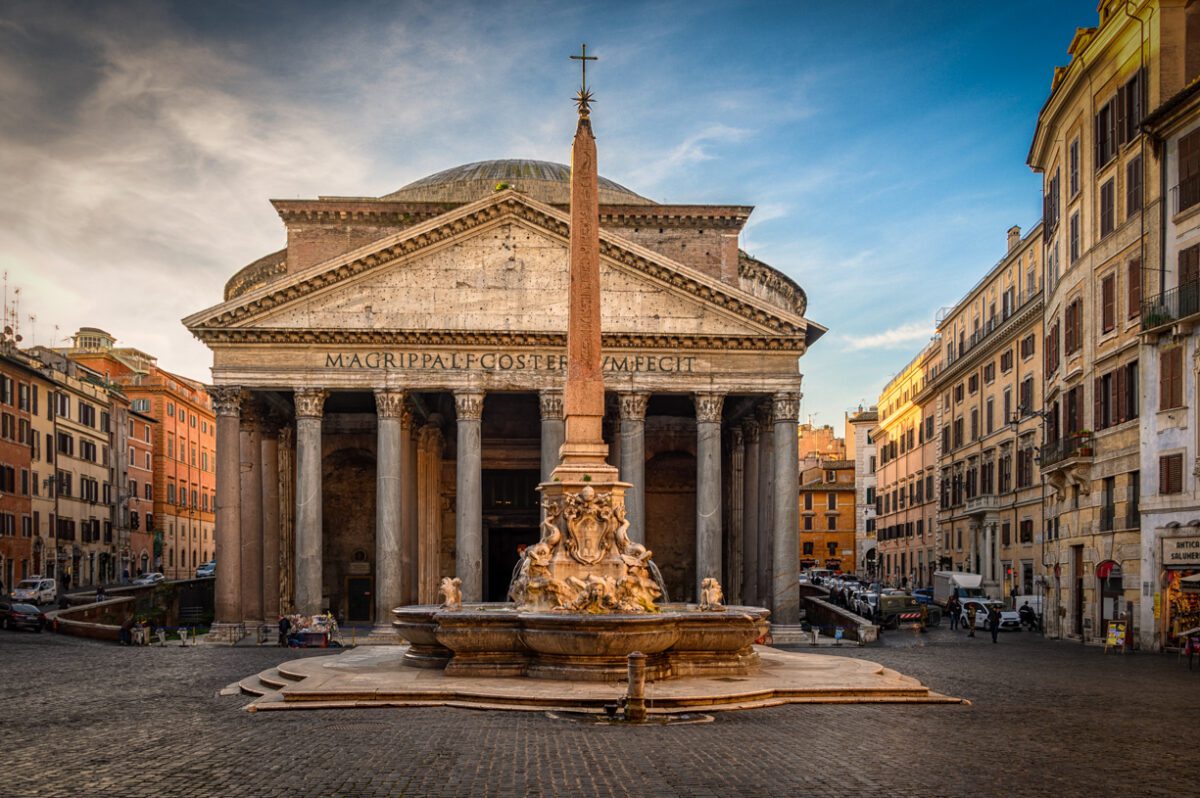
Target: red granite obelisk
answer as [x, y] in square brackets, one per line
[583, 394]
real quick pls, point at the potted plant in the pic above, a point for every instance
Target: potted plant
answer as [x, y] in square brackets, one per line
[1083, 440]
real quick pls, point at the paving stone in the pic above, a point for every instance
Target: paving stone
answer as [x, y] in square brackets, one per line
[1048, 718]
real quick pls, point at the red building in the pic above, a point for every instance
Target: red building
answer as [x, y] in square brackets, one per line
[16, 436]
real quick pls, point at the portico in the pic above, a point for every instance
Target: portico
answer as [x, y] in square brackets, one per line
[383, 414]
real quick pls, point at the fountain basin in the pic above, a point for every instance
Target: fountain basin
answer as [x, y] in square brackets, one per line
[497, 639]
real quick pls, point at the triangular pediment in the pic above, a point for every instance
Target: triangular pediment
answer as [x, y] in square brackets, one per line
[497, 266]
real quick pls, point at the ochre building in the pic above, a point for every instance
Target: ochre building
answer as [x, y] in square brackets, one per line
[388, 392]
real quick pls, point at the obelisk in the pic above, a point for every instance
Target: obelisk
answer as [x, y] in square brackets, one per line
[583, 450]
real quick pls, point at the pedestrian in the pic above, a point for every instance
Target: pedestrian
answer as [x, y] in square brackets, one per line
[993, 617]
[284, 626]
[66, 579]
[100, 594]
[972, 610]
[125, 636]
[953, 609]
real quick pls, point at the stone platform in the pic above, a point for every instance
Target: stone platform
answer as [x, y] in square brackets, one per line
[375, 677]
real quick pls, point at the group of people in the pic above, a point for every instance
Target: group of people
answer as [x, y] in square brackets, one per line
[954, 608]
[291, 626]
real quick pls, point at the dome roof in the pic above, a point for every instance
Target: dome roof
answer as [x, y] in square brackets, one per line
[542, 180]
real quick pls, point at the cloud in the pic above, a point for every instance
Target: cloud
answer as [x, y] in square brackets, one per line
[905, 335]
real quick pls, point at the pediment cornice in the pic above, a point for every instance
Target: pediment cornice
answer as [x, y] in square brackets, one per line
[459, 223]
[490, 338]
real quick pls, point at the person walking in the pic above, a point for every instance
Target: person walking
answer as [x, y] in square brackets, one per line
[972, 611]
[993, 616]
[953, 609]
[285, 625]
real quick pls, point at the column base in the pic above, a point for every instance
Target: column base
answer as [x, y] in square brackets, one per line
[226, 634]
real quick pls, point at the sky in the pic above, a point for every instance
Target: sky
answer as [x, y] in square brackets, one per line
[882, 143]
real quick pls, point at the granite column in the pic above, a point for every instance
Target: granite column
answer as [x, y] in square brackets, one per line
[389, 556]
[786, 555]
[310, 407]
[633, 461]
[468, 514]
[750, 514]
[250, 483]
[708, 487]
[766, 502]
[227, 400]
[270, 517]
[551, 404]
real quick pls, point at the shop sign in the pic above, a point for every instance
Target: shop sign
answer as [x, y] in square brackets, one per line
[1181, 552]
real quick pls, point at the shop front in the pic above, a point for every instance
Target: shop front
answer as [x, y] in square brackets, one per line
[1180, 606]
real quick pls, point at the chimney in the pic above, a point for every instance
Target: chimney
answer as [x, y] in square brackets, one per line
[1014, 237]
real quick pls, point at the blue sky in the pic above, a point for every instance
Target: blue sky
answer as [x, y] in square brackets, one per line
[882, 143]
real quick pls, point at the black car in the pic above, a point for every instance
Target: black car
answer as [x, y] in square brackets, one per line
[18, 616]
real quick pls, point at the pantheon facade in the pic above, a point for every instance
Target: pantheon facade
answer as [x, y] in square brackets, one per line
[388, 391]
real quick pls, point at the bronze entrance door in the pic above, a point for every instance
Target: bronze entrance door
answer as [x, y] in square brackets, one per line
[359, 599]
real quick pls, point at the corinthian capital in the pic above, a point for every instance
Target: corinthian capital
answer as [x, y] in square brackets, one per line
[469, 405]
[310, 402]
[786, 406]
[750, 427]
[633, 406]
[708, 407]
[765, 417]
[551, 402]
[736, 436]
[389, 402]
[226, 399]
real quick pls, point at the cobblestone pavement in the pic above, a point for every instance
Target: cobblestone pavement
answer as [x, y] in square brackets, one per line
[1048, 718]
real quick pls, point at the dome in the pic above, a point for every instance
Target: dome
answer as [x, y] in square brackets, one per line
[541, 180]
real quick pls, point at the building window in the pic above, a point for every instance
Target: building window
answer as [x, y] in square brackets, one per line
[1073, 234]
[832, 501]
[1170, 474]
[1006, 361]
[1134, 287]
[832, 522]
[1188, 191]
[1106, 133]
[1028, 347]
[1108, 201]
[1072, 323]
[1133, 186]
[808, 523]
[808, 504]
[1170, 378]
[1108, 303]
[1073, 168]
[1027, 530]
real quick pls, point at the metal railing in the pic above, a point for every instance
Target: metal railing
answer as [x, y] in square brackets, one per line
[992, 325]
[1079, 445]
[1171, 306]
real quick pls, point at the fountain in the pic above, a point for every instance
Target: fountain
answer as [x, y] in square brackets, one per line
[585, 596]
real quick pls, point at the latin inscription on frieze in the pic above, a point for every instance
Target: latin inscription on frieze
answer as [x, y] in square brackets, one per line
[502, 361]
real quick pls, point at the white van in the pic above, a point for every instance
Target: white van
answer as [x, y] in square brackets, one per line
[36, 590]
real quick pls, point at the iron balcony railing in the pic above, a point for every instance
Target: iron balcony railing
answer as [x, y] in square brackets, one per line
[991, 325]
[1185, 194]
[1171, 306]
[1079, 445]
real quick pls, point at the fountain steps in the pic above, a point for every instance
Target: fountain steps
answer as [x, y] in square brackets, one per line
[356, 680]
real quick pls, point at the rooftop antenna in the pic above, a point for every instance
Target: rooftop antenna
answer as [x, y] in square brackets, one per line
[33, 329]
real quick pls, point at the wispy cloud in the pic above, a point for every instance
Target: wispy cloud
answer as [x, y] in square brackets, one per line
[905, 335]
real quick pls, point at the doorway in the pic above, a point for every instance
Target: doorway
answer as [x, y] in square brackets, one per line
[359, 599]
[503, 548]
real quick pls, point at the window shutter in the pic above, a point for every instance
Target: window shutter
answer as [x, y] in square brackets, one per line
[1135, 287]
[1164, 379]
[1118, 399]
[1108, 300]
[1189, 265]
[1097, 403]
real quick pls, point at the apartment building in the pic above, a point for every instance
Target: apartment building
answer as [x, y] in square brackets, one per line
[827, 510]
[907, 475]
[16, 487]
[860, 448]
[80, 470]
[182, 448]
[1170, 367]
[987, 390]
[1103, 255]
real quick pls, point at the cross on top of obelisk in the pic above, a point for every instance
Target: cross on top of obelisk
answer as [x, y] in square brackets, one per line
[584, 97]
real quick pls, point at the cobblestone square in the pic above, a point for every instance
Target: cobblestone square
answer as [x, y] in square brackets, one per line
[1046, 718]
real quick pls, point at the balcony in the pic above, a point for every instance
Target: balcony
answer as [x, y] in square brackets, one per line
[1171, 306]
[1075, 446]
[980, 505]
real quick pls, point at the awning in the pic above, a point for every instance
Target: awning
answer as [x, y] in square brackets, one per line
[1190, 584]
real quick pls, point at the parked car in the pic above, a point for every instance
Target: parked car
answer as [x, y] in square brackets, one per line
[924, 595]
[868, 604]
[1009, 619]
[206, 569]
[21, 616]
[152, 578]
[36, 590]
